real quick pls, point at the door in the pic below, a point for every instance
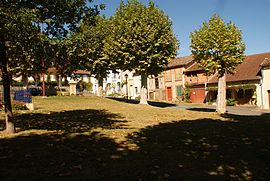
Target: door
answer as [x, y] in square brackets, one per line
[269, 98]
[197, 95]
[169, 93]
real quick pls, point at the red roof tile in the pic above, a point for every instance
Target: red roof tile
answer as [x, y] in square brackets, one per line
[81, 72]
[194, 67]
[179, 62]
[248, 70]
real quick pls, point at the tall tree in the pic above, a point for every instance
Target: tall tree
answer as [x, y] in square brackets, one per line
[95, 38]
[142, 40]
[84, 49]
[21, 43]
[218, 47]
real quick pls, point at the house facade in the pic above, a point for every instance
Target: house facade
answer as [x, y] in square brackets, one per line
[245, 85]
[196, 81]
[174, 78]
[250, 84]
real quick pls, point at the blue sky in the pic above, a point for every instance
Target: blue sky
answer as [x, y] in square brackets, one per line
[252, 17]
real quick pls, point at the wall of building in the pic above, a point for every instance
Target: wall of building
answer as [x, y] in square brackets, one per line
[196, 78]
[173, 78]
[259, 95]
[265, 88]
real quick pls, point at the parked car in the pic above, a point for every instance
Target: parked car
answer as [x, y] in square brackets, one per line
[35, 91]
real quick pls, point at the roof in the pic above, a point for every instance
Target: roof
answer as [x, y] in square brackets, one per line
[266, 63]
[194, 67]
[179, 62]
[249, 69]
[81, 72]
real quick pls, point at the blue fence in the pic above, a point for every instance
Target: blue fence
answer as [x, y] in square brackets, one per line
[23, 96]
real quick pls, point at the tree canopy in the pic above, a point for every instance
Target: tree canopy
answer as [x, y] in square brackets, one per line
[141, 40]
[22, 44]
[217, 46]
[84, 49]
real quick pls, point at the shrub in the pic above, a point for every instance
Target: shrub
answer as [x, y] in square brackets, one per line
[231, 102]
[187, 94]
[89, 86]
[114, 95]
[16, 105]
[138, 98]
[211, 102]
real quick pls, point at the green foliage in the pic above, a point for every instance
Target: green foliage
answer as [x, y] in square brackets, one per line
[211, 102]
[141, 38]
[217, 46]
[187, 93]
[138, 98]
[114, 94]
[231, 102]
[51, 83]
[83, 49]
[21, 22]
[89, 86]
[16, 105]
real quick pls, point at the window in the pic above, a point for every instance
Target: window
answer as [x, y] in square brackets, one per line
[178, 90]
[228, 93]
[156, 83]
[178, 75]
[240, 93]
[136, 90]
[168, 76]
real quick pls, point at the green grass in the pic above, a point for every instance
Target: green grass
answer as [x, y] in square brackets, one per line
[90, 138]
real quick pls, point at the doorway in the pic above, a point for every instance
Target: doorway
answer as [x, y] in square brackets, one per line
[169, 93]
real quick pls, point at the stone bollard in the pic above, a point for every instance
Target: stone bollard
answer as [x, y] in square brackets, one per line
[72, 87]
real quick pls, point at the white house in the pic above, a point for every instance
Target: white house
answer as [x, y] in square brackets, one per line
[265, 84]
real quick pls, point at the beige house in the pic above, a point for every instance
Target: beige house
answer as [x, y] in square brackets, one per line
[174, 78]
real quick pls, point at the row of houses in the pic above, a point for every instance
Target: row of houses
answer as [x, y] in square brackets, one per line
[249, 85]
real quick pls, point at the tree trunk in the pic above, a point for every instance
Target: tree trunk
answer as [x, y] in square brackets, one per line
[221, 97]
[100, 87]
[25, 80]
[10, 128]
[143, 93]
[59, 81]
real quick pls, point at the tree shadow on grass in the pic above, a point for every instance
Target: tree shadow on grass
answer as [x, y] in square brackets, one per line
[76, 121]
[57, 157]
[151, 103]
[201, 109]
[205, 149]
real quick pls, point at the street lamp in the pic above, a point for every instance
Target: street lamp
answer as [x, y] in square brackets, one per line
[126, 76]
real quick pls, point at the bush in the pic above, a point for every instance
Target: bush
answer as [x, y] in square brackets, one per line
[16, 105]
[187, 94]
[89, 86]
[211, 102]
[114, 95]
[16, 83]
[231, 102]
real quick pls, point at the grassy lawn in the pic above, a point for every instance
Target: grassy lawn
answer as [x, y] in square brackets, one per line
[90, 138]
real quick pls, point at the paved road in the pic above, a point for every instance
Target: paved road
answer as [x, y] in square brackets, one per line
[236, 110]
